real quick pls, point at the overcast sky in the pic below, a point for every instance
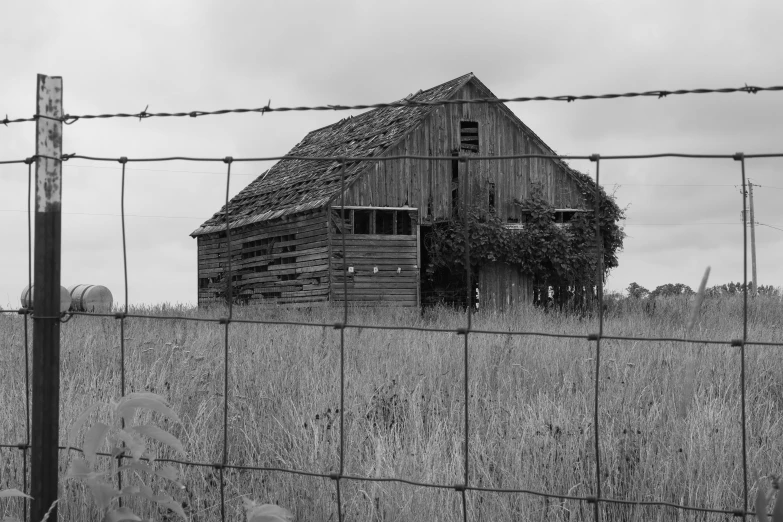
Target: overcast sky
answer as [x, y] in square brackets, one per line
[180, 56]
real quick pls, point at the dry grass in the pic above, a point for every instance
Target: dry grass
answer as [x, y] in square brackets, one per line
[530, 409]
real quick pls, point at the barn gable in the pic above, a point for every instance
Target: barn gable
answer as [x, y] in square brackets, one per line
[436, 186]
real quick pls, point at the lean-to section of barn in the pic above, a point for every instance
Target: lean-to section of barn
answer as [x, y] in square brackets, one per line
[285, 260]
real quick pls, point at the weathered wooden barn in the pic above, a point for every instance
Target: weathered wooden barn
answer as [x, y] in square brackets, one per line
[286, 226]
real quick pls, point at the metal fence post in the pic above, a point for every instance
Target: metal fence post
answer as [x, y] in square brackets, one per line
[46, 305]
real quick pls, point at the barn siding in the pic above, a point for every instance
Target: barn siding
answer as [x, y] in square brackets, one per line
[365, 252]
[387, 254]
[280, 261]
[502, 287]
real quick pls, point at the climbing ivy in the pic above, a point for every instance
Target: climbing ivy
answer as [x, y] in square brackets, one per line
[552, 255]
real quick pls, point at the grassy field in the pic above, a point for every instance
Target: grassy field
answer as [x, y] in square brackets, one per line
[531, 409]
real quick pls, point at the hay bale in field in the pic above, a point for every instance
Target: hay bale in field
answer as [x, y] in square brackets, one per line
[90, 298]
[28, 298]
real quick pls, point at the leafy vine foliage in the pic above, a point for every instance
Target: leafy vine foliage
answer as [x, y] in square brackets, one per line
[562, 257]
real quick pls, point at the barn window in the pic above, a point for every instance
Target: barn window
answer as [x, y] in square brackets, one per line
[560, 215]
[567, 215]
[203, 282]
[361, 221]
[491, 197]
[387, 222]
[384, 222]
[404, 224]
[469, 136]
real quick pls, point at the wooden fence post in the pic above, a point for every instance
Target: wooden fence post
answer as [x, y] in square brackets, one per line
[46, 305]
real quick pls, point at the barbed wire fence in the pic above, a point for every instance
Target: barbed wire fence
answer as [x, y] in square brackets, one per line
[466, 331]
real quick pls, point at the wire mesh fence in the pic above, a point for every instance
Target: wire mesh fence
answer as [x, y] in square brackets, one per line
[471, 339]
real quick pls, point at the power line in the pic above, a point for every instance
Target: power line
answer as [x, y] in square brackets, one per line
[671, 185]
[111, 215]
[155, 170]
[69, 119]
[770, 226]
[675, 224]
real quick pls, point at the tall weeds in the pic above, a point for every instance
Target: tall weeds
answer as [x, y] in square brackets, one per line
[530, 406]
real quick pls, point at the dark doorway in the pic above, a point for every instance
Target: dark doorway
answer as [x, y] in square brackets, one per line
[443, 287]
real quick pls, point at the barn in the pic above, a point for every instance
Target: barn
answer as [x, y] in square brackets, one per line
[289, 225]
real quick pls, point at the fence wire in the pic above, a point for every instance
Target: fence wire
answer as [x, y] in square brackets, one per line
[467, 332]
[661, 93]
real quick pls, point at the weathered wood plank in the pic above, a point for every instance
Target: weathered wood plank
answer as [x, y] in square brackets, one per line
[359, 288]
[409, 299]
[380, 254]
[362, 238]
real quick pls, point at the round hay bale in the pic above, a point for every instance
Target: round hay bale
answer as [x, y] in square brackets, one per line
[90, 298]
[28, 298]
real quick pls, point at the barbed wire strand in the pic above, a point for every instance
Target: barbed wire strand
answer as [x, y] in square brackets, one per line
[461, 488]
[69, 119]
[395, 157]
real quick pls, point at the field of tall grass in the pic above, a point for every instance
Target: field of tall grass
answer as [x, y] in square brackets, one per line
[531, 409]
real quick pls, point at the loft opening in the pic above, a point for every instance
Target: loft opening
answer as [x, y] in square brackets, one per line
[469, 136]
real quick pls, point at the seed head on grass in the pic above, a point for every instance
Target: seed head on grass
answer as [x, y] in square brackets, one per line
[698, 302]
[690, 371]
[49, 511]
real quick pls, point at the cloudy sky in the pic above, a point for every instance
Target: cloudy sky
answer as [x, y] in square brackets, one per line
[197, 55]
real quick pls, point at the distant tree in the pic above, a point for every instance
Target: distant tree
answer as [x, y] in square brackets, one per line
[637, 291]
[737, 288]
[670, 289]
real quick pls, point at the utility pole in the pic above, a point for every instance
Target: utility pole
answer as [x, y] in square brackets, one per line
[753, 238]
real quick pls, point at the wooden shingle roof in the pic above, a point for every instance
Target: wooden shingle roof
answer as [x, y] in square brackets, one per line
[292, 186]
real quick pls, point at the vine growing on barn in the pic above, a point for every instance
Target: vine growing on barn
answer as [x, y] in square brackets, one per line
[551, 254]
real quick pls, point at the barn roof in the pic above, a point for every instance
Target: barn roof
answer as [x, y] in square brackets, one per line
[292, 186]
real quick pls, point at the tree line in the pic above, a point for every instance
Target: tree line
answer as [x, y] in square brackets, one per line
[637, 291]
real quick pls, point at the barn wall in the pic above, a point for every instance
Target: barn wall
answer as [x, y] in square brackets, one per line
[427, 184]
[502, 287]
[280, 261]
[366, 252]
